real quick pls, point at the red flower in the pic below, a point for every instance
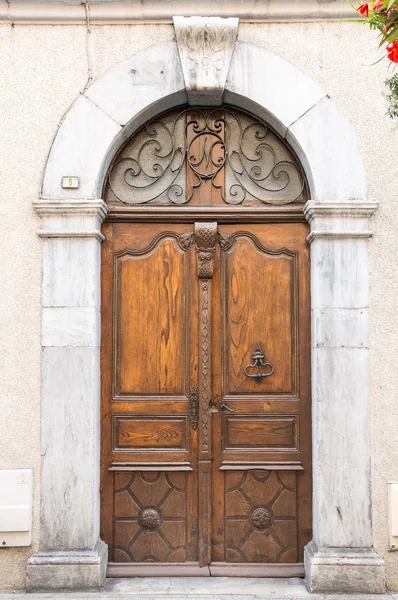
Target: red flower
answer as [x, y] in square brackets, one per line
[392, 50]
[378, 4]
[364, 9]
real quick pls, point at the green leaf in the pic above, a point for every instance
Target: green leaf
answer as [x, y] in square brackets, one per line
[389, 37]
[389, 5]
[377, 61]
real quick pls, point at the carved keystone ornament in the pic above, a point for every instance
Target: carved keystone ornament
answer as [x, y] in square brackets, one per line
[205, 45]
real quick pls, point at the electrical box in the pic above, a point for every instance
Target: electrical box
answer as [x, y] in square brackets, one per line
[15, 508]
[393, 514]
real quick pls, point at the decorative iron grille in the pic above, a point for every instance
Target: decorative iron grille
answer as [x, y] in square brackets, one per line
[174, 155]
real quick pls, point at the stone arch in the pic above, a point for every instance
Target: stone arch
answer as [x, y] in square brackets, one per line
[340, 557]
[298, 109]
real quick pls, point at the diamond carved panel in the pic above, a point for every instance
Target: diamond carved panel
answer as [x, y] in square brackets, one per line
[261, 516]
[150, 517]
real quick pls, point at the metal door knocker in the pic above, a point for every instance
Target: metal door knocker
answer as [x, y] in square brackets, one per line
[258, 362]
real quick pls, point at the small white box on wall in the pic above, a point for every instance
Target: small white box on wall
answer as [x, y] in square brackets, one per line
[393, 514]
[15, 507]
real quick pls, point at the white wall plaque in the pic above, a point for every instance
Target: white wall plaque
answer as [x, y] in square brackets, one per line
[70, 182]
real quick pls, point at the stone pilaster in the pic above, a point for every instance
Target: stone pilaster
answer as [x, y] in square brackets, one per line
[71, 554]
[340, 557]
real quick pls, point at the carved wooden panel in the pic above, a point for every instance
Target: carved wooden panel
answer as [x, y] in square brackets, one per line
[261, 517]
[151, 320]
[260, 314]
[149, 434]
[150, 517]
[262, 471]
[205, 245]
[260, 433]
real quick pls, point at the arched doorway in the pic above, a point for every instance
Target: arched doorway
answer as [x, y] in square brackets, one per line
[206, 411]
[340, 556]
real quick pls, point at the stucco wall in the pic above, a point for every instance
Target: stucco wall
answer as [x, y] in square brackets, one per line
[43, 69]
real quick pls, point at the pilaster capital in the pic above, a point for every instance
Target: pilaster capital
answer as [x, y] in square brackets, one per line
[74, 218]
[339, 219]
[72, 207]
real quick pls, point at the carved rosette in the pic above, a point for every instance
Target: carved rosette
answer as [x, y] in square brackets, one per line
[261, 518]
[150, 519]
[205, 45]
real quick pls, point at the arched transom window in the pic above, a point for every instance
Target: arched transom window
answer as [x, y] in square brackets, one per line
[205, 156]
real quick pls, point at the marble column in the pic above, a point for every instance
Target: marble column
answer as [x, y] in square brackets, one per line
[71, 553]
[340, 557]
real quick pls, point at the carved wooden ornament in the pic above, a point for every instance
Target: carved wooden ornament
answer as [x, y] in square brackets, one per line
[205, 46]
[205, 242]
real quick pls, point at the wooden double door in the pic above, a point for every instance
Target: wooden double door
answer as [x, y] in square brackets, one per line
[206, 428]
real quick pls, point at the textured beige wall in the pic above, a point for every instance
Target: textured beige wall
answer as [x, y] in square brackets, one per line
[43, 69]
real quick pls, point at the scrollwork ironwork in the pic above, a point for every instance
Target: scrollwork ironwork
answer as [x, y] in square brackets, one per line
[240, 156]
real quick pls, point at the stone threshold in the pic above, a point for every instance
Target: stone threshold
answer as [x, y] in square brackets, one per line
[197, 588]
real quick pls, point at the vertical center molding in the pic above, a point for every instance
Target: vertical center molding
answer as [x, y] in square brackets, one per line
[205, 245]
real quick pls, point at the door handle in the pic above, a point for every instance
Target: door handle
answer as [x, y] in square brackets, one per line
[224, 406]
[259, 362]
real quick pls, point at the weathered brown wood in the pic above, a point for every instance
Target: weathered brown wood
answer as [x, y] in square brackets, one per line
[202, 487]
[221, 214]
[261, 313]
[205, 245]
[261, 465]
[264, 432]
[150, 432]
[149, 363]
[154, 361]
[150, 466]
[261, 512]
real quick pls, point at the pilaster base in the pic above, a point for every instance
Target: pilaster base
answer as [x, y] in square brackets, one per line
[67, 570]
[343, 570]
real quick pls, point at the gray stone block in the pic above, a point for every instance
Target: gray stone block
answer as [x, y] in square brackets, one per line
[343, 570]
[57, 570]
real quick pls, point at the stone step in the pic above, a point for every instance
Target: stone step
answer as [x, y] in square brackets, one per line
[198, 588]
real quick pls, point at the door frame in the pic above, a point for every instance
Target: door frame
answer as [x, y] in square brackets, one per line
[338, 212]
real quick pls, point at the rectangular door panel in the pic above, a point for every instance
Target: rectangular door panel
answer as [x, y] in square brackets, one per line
[259, 297]
[150, 433]
[260, 517]
[248, 433]
[151, 518]
[151, 321]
